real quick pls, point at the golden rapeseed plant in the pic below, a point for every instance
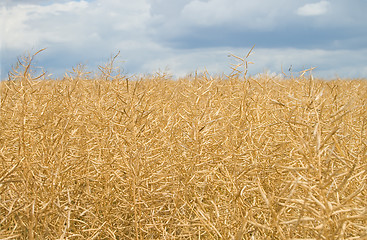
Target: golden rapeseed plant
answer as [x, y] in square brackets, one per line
[195, 158]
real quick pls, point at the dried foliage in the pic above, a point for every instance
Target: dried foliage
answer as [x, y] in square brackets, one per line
[195, 158]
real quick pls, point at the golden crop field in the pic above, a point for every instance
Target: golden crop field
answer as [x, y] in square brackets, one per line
[195, 158]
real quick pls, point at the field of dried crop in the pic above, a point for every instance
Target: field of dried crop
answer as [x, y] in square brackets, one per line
[194, 158]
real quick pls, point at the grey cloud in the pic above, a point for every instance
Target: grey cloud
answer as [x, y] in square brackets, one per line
[266, 23]
[167, 8]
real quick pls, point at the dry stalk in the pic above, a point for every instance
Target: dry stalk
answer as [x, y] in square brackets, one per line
[197, 158]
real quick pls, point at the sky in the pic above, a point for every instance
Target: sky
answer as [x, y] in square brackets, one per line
[180, 37]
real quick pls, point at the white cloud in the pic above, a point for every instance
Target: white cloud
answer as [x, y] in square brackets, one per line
[216, 61]
[73, 23]
[314, 9]
[181, 62]
[29, 25]
[74, 31]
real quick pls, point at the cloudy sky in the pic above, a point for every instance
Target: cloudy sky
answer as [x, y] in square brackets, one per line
[182, 36]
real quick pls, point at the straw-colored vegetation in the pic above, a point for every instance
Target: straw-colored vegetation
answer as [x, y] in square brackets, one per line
[195, 158]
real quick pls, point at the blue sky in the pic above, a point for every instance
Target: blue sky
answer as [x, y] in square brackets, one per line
[183, 36]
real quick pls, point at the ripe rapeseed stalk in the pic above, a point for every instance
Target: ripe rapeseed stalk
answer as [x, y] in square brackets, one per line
[194, 158]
